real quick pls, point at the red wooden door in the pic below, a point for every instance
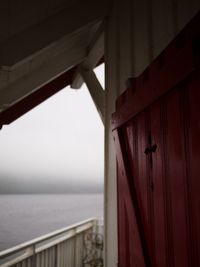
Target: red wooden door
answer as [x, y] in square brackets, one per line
[156, 130]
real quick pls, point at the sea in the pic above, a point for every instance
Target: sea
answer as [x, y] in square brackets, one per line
[24, 217]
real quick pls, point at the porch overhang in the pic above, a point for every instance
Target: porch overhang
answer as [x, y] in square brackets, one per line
[40, 56]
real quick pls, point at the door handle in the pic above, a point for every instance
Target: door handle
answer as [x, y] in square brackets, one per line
[151, 149]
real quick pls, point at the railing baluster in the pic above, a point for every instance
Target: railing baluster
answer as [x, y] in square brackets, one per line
[37, 257]
[55, 256]
[74, 252]
[58, 255]
[33, 260]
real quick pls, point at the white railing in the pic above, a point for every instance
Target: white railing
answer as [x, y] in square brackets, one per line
[78, 245]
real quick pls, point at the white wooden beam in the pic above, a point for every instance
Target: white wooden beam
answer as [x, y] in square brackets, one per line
[40, 76]
[69, 21]
[95, 53]
[68, 43]
[96, 91]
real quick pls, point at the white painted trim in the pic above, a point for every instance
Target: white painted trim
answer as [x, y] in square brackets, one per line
[14, 92]
[96, 91]
[95, 53]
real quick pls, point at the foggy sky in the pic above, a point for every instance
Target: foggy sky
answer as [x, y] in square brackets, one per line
[55, 148]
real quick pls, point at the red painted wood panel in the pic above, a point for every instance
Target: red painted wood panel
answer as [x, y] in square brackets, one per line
[135, 135]
[192, 110]
[159, 187]
[175, 175]
[129, 234]
[158, 154]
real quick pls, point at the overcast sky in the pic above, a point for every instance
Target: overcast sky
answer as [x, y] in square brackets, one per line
[56, 147]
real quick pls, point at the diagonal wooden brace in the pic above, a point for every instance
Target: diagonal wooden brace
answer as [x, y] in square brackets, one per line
[96, 91]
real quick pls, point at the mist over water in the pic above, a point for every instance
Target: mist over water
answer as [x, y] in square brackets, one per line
[36, 185]
[24, 217]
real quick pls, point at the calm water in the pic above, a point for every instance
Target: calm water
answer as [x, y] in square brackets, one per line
[24, 217]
